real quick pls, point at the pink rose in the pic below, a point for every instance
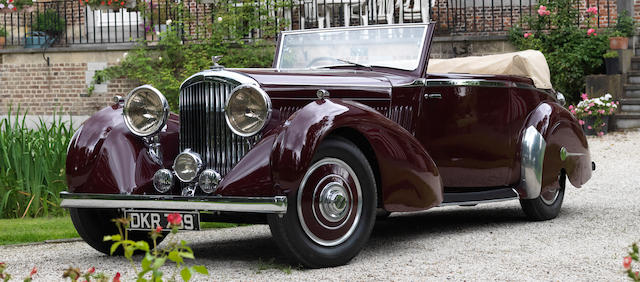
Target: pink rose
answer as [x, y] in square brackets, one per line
[174, 219]
[570, 107]
[600, 133]
[601, 111]
[591, 104]
[589, 127]
[526, 35]
[581, 122]
[573, 112]
[584, 96]
[589, 112]
[592, 10]
[626, 262]
[542, 11]
[591, 31]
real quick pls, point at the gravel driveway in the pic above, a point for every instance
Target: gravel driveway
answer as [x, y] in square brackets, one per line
[486, 242]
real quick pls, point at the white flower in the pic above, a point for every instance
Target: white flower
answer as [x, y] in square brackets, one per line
[160, 58]
[169, 22]
[125, 54]
[1, 6]
[607, 96]
[10, 6]
[219, 19]
[157, 33]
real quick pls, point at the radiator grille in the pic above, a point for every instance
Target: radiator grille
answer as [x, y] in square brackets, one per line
[203, 128]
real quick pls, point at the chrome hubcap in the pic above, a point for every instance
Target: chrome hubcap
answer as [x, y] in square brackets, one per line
[333, 202]
[329, 202]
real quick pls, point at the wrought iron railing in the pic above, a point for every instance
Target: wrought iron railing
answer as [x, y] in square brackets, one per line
[64, 23]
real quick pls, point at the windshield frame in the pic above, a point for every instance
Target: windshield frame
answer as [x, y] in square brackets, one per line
[419, 71]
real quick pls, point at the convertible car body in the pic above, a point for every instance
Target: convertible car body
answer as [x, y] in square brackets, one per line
[349, 124]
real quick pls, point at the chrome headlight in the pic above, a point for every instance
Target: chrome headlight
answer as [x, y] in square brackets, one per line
[187, 165]
[145, 111]
[248, 110]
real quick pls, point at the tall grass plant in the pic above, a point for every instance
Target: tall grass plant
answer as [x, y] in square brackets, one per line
[32, 165]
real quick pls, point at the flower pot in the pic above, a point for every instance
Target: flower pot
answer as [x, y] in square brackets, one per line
[618, 43]
[2, 41]
[591, 128]
[612, 65]
[37, 40]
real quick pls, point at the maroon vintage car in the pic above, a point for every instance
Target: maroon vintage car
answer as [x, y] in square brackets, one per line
[347, 125]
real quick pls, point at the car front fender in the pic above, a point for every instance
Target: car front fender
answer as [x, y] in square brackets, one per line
[409, 179]
[104, 157]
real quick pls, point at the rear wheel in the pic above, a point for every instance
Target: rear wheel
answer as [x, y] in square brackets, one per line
[331, 215]
[548, 204]
[93, 224]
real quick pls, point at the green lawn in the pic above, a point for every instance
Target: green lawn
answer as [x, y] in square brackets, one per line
[17, 231]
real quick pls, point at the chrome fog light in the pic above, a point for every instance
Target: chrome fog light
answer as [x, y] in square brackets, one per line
[209, 180]
[187, 165]
[163, 180]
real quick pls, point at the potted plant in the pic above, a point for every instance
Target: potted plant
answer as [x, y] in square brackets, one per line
[593, 114]
[624, 29]
[46, 29]
[3, 36]
[611, 62]
[111, 5]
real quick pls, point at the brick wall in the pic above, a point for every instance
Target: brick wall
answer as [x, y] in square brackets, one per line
[28, 81]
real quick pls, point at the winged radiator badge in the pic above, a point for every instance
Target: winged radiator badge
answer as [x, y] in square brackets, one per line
[215, 60]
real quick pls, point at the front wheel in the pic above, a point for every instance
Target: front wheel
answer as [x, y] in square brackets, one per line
[330, 217]
[547, 205]
[93, 224]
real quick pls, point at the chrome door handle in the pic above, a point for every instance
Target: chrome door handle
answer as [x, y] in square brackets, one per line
[433, 96]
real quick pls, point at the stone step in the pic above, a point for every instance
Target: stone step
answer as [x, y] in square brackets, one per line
[627, 120]
[633, 77]
[635, 63]
[629, 105]
[632, 90]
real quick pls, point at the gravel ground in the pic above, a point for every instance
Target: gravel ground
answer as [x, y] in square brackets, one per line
[486, 242]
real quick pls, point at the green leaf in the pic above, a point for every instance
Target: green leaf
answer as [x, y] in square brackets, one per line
[145, 263]
[158, 263]
[200, 269]
[187, 255]
[114, 246]
[175, 257]
[128, 251]
[186, 274]
[142, 245]
[106, 238]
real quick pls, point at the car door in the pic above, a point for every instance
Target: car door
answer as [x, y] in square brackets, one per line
[464, 125]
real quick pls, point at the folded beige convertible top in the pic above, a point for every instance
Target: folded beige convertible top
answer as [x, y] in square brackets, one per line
[528, 63]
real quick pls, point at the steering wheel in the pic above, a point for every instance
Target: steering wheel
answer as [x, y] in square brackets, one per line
[319, 59]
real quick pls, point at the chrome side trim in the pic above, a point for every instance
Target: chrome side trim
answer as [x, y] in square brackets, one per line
[476, 202]
[418, 82]
[277, 204]
[532, 154]
[469, 82]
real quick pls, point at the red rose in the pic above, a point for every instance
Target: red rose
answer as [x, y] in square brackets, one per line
[159, 229]
[15, 9]
[122, 3]
[102, 3]
[34, 270]
[10, 1]
[91, 270]
[174, 218]
[626, 262]
[117, 277]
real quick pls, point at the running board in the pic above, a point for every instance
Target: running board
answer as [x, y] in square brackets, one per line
[473, 198]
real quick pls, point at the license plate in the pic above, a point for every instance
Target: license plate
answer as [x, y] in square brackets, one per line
[149, 220]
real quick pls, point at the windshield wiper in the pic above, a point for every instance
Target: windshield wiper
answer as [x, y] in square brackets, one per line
[355, 64]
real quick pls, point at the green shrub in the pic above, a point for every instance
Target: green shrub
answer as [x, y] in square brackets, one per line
[3, 32]
[610, 55]
[625, 25]
[176, 58]
[32, 163]
[50, 23]
[571, 52]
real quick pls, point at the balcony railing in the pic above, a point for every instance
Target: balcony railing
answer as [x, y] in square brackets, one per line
[64, 23]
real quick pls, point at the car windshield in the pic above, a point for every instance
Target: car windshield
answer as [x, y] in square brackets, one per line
[397, 47]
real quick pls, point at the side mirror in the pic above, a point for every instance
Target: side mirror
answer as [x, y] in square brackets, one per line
[561, 98]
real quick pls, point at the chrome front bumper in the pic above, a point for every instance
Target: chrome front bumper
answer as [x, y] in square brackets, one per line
[277, 204]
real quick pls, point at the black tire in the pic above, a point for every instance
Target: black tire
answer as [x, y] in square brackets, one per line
[545, 207]
[93, 224]
[315, 249]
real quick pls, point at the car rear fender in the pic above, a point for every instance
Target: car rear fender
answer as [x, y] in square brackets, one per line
[409, 179]
[564, 148]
